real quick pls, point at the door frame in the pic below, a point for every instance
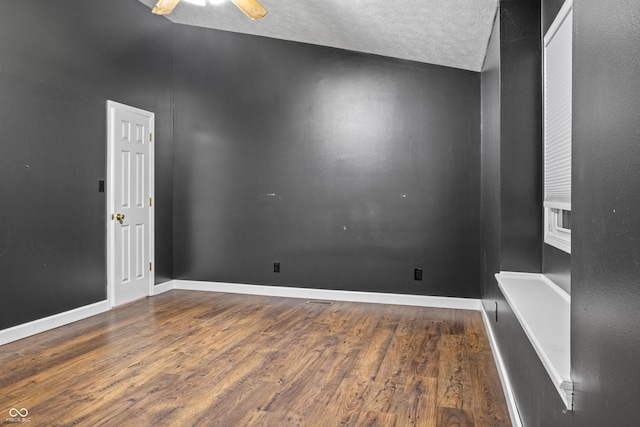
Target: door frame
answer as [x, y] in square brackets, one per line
[110, 226]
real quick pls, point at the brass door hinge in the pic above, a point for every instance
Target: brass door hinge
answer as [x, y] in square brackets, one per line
[150, 266]
[150, 137]
[150, 201]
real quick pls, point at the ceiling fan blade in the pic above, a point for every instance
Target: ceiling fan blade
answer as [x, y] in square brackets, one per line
[251, 8]
[165, 7]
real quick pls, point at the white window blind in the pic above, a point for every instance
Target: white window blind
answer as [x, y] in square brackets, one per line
[557, 110]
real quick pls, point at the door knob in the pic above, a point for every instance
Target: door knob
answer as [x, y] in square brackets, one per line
[119, 217]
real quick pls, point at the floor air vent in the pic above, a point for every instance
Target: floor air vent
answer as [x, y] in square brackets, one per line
[321, 302]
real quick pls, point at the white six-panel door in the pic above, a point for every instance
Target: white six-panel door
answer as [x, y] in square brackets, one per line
[129, 203]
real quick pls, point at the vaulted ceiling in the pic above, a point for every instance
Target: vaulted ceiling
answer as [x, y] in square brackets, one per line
[453, 33]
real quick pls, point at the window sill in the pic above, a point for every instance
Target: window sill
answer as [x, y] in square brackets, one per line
[544, 312]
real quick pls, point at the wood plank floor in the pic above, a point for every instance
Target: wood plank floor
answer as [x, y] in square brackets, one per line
[188, 358]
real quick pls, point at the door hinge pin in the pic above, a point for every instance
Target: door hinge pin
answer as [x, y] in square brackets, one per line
[150, 266]
[150, 201]
[150, 137]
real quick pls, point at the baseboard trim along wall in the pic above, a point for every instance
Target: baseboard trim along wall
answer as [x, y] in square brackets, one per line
[502, 371]
[329, 294]
[163, 287]
[41, 325]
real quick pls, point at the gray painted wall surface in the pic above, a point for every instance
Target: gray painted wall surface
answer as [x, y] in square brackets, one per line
[520, 136]
[57, 71]
[510, 91]
[511, 146]
[490, 168]
[605, 340]
[350, 170]
[550, 9]
[556, 265]
[606, 212]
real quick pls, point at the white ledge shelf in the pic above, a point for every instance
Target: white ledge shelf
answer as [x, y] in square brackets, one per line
[544, 312]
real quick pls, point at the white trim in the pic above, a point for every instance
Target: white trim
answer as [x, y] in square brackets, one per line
[152, 206]
[333, 295]
[163, 287]
[47, 323]
[502, 371]
[543, 310]
[109, 206]
[41, 325]
[558, 204]
[554, 235]
[111, 105]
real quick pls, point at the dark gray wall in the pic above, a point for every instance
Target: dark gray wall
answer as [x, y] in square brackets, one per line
[605, 266]
[58, 66]
[512, 196]
[511, 150]
[604, 263]
[350, 170]
[556, 265]
[511, 146]
[520, 137]
[550, 9]
[490, 167]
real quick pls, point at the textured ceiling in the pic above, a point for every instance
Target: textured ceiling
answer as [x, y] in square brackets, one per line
[452, 33]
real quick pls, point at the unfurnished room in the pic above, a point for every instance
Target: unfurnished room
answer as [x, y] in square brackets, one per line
[296, 213]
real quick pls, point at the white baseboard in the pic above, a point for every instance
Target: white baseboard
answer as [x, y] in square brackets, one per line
[333, 295]
[41, 325]
[502, 371]
[163, 287]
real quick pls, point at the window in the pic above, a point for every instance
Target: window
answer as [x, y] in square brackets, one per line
[557, 129]
[558, 228]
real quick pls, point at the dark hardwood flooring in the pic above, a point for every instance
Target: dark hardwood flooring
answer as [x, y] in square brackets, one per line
[188, 358]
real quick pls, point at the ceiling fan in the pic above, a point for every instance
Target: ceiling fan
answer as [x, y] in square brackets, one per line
[251, 8]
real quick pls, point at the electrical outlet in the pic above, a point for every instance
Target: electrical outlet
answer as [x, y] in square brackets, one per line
[276, 267]
[417, 274]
